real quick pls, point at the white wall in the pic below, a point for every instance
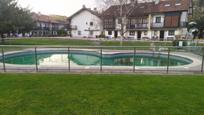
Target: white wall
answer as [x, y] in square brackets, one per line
[132, 36]
[184, 17]
[148, 34]
[82, 21]
[109, 36]
[167, 36]
[113, 34]
[117, 25]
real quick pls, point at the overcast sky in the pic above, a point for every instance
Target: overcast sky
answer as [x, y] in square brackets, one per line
[59, 7]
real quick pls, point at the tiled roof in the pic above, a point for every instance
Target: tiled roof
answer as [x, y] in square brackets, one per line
[171, 6]
[85, 9]
[147, 8]
[50, 19]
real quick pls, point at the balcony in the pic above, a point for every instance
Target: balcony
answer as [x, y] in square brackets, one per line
[73, 27]
[55, 28]
[109, 26]
[43, 28]
[157, 25]
[137, 26]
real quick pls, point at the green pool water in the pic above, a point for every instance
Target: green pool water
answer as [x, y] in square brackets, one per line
[88, 59]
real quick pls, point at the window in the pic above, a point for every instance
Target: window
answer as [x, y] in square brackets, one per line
[171, 32]
[132, 33]
[109, 23]
[178, 4]
[142, 7]
[158, 19]
[79, 32]
[119, 21]
[91, 23]
[109, 32]
[167, 5]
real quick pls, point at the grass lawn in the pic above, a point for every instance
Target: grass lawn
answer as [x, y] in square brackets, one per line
[59, 94]
[49, 41]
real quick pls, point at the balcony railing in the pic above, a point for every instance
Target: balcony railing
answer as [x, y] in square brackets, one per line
[137, 26]
[109, 26]
[157, 25]
[73, 27]
[42, 28]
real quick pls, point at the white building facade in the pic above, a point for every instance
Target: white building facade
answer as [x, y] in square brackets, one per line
[86, 23]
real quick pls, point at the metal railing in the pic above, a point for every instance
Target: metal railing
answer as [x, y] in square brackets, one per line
[157, 25]
[154, 51]
[137, 26]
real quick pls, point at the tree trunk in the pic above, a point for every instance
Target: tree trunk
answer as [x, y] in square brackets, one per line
[8, 34]
[1, 35]
[23, 34]
[2, 38]
[201, 34]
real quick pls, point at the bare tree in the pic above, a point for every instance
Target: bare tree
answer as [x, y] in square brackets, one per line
[104, 4]
[125, 8]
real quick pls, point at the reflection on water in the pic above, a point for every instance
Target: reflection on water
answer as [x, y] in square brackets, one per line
[55, 59]
[81, 59]
[87, 59]
[124, 61]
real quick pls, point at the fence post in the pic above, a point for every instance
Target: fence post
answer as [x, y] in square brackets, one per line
[36, 60]
[3, 59]
[167, 71]
[101, 59]
[202, 66]
[69, 65]
[134, 63]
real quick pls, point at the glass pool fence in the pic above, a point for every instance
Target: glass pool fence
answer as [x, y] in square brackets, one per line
[106, 59]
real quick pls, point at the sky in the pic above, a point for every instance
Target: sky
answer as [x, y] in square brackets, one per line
[58, 7]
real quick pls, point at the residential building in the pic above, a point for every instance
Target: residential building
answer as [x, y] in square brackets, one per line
[156, 20]
[49, 25]
[86, 23]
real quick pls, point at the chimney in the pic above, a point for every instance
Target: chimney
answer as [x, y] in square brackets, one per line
[132, 1]
[84, 6]
[136, 1]
[39, 13]
[156, 1]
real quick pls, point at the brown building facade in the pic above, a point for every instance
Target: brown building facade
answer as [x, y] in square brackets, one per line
[52, 25]
[163, 20]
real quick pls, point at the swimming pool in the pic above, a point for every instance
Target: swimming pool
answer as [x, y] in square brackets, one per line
[93, 58]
